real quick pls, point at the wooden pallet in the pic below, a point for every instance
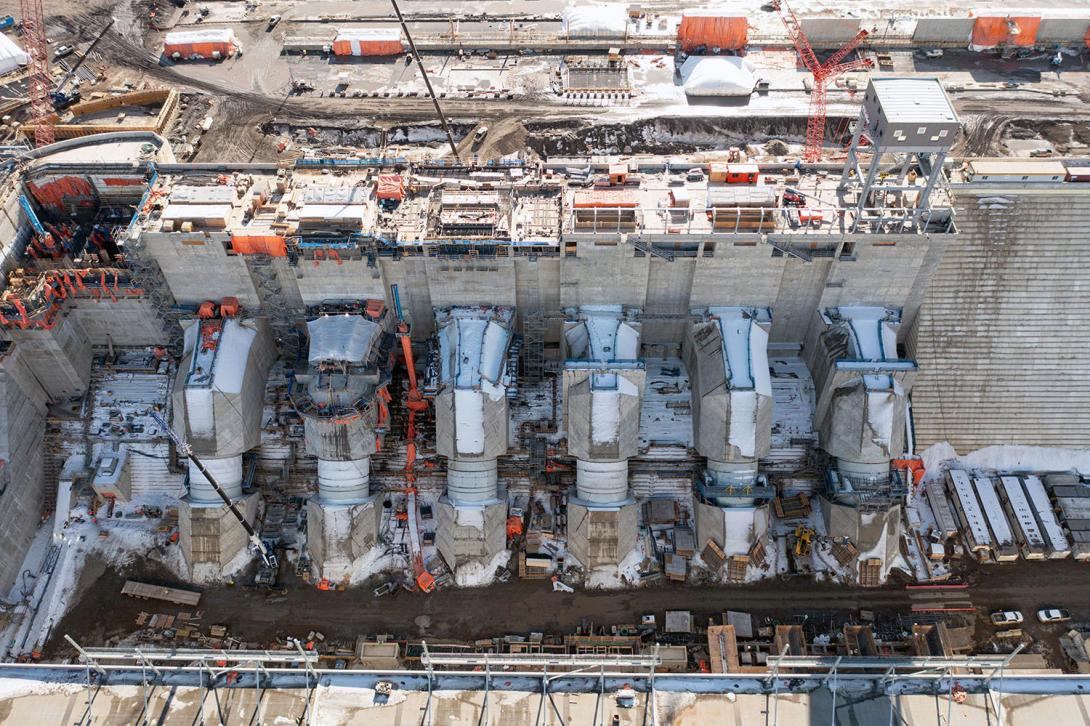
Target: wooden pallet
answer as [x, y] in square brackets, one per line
[793, 507]
[736, 568]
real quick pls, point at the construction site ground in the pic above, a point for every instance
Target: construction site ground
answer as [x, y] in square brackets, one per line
[102, 617]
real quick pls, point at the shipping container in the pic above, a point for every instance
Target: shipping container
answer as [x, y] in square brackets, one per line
[368, 42]
[207, 43]
[996, 30]
[828, 32]
[742, 173]
[1016, 171]
[1078, 173]
[711, 29]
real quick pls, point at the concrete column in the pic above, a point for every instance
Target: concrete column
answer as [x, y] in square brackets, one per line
[344, 482]
[227, 472]
[603, 483]
[472, 482]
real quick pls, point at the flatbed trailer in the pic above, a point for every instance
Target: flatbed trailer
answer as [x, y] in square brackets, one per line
[146, 591]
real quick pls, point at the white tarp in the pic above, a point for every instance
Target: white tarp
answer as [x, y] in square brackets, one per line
[11, 55]
[205, 35]
[718, 76]
[469, 421]
[341, 338]
[601, 19]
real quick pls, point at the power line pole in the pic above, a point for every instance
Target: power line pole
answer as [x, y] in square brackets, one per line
[427, 81]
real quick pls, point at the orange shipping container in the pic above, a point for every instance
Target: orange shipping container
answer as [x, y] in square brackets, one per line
[368, 42]
[712, 31]
[259, 244]
[990, 32]
[203, 43]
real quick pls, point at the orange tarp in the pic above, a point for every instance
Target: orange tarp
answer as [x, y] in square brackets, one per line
[712, 31]
[368, 46]
[54, 194]
[390, 186]
[589, 198]
[255, 244]
[120, 182]
[989, 32]
[1087, 38]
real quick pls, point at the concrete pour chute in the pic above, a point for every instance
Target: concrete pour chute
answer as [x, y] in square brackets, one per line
[339, 398]
[472, 428]
[603, 384]
[219, 398]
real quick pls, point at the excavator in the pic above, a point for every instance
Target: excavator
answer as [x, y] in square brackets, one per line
[414, 403]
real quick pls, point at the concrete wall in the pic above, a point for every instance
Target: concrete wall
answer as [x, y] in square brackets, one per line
[331, 552]
[826, 32]
[130, 322]
[22, 427]
[348, 280]
[598, 537]
[60, 358]
[211, 537]
[1063, 30]
[1002, 339]
[197, 267]
[943, 30]
[460, 544]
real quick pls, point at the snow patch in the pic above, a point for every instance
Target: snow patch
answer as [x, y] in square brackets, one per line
[469, 423]
[939, 457]
[718, 76]
[478, 573]
[626, 574]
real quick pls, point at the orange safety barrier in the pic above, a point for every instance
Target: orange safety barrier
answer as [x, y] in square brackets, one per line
[712, 31]
[390, 186]
[256, 244]
[989, 32]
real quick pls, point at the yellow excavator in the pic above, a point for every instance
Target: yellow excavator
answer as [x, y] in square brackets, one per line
[804, 540]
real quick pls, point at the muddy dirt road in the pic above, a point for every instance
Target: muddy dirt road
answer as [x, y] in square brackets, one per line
[103, 614]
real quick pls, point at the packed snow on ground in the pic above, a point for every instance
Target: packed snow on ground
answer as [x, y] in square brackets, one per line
[626, 574]
[377, 560]
[937, 458]
[480, 574]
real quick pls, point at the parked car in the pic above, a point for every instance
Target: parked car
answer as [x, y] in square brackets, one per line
[1004, 618]
[64, 50]
[1053, 615]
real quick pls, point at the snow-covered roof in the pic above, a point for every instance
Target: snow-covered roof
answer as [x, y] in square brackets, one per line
[473, 345]
[602, 19]
[745, 350]
[11, 55]
[873, 339]
[1022, 511]
[718, 76]
[205, 35]
[346, 338]
[387, 33]
[970, 509]
[993, 511]
[603, 336]
[1038, 497]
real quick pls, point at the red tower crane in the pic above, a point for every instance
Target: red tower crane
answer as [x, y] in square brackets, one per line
[822, 73]
[39, 84]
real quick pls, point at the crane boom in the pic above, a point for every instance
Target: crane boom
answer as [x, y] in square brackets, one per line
[267, 557]
[39, 84]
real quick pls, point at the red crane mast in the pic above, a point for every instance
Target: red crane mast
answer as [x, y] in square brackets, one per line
[39, 84]
[822, 73]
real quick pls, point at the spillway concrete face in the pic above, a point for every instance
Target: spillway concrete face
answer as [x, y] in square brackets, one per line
[219, 400]
[602, 537]
[340, 397]
[211, 537]
[340, 534]
[472, 428]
